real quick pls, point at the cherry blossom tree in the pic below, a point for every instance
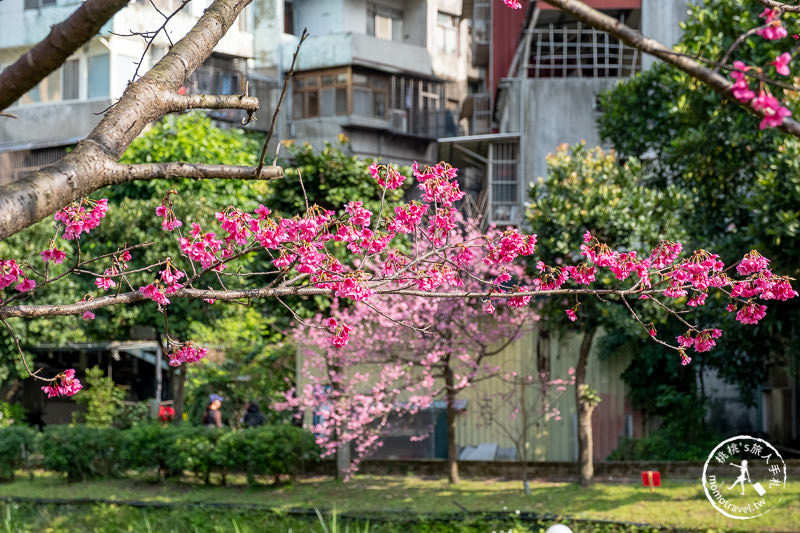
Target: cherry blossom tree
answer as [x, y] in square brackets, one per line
[533, 400]
[418, 250]
[404, 353]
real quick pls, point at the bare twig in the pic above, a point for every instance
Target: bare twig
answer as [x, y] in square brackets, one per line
[286, 80]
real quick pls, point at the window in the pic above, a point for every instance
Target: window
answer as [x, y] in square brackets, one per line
[384, 22]
[71, 80]
[288, 18]
[38, 4]
[504, 185]
[370, 95]
[447, 34]
[99, 76]
[320, 94]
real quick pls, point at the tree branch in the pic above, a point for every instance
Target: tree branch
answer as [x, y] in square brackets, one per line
[92, 164]
[151, 171]
[177, 102]
[62, 41]
[786, 8]
[43, 310]
[633, 38]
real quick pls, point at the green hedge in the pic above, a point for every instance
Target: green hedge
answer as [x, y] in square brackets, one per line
[83, 452]
[17, 443]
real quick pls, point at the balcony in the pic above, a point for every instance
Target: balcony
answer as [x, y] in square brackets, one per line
[333, 50]
[578, 53]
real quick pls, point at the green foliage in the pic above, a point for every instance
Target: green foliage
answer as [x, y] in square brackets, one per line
[254, 369]
[331, 179]
[586, 189]
[101, 398]
[130, 414]
[151, 447]
[11, 413]
[745, 182]
[279, 450]
[16, 445]
[82, 452]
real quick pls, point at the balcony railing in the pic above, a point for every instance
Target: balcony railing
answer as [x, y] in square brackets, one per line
[579, 52]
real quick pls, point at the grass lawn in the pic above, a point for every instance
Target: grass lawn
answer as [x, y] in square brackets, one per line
[677, 504]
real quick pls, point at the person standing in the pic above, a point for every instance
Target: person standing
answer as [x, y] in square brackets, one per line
[212, 417]
[253, 417]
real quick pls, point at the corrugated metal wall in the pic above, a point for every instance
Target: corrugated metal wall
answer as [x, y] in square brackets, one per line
[556, 439]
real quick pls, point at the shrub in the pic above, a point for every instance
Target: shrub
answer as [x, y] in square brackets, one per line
[153, 447]
[11, 413]
[194, 447]
[16, 445]
[82, 452]
[279, 450]
[102, 399]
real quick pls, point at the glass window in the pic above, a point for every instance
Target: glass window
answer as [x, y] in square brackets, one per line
[334, 102]
[71, 89]
[447, 33]
[362, 102]
[99, 76]
[51, 91]
[384, 22]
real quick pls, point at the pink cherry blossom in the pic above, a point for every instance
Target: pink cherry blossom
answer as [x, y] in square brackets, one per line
[782, 63]
[64, 384]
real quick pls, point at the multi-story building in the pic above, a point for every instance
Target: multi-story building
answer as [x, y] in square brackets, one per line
[65, 106]
[544, 72]
[390, 75]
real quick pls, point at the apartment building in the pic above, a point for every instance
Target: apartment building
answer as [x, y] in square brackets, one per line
[391, 75]
[65, 106]
[544, 72]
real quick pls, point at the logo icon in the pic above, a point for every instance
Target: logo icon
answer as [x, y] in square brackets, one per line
[744, 477]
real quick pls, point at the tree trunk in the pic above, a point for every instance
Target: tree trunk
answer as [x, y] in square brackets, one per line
[585, 407]
[178, 386]
[342, 462]
[452, 447]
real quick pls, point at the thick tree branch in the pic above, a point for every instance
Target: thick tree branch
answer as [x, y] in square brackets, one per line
[177, 102]
[44, 310]
[783, 6]
[62, 41]
[92, 164]
[633, 38]
[152, 171]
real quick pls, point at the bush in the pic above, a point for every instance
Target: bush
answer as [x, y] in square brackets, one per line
[153, 447]
[274, 451]
[102, 398]
[11, 413]
[82, 452]
[16, 445]
[664, 445]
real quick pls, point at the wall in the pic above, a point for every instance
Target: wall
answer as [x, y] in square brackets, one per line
[661, 21]
[26, 27]
[50, 123]
[555, 440]
[558, 111]
[320, 17]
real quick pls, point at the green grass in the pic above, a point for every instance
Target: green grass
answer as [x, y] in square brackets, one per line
[676, 504]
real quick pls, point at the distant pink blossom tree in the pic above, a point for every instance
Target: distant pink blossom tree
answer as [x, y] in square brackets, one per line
[405, 352]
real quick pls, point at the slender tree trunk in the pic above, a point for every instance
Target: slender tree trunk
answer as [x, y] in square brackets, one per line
[178, 387]
[585, 407]
[452, 447]
[342, 462]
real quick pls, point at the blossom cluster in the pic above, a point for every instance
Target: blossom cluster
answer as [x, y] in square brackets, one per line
[81, 217]
[64, 384]
[186, 353]
[11, 273]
